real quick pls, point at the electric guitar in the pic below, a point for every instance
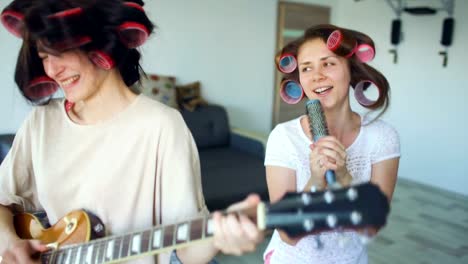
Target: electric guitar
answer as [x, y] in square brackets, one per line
[79, 236]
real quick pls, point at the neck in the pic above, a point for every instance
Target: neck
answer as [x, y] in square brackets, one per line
[110, 98]
[343, 123]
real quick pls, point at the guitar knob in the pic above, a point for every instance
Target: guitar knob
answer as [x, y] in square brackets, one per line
[352, 194]
[98, 228]
[332, 220]
[306, 198]
[329, 197]
[356, 218]
[308, 225]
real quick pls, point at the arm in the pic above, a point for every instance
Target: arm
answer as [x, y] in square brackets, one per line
[281, 180]
[384, 175]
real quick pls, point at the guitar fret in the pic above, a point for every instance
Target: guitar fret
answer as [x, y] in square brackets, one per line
[196, 229]
[168, 239]
[145, 241]
[136, 244]
[89, 254]
[183, 233]
[209, 227]
[68, 258]
[157, 238]
[78, 255]
[101, 252]
[109, 250]
[126, 245]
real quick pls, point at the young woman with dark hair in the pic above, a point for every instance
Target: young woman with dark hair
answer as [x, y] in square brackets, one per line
[328, 61]
[124, 157]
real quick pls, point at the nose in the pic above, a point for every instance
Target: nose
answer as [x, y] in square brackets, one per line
[53, 66]
[318, 76]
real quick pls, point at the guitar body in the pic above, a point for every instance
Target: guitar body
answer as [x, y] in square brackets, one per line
[76, 227]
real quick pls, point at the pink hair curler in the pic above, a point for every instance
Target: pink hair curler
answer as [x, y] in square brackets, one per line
[41, 87]
[359, 92]
[345, 45]
[67, 13]
[135, 5]
[365, 53]
[13, 22]
[101, 59]
[291, 92]
[287, 63]
[341, 44]
[133, 34]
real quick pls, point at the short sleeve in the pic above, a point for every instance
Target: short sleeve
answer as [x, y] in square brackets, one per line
[387, 145]
[178, 167]
[17, 185]
[278, 149]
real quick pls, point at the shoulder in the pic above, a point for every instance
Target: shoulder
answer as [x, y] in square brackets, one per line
[288, 127]
[157, 114]
[41, 114]
[379, 128]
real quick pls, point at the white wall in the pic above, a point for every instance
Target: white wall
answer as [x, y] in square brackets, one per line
[229, 46]
[427, 101]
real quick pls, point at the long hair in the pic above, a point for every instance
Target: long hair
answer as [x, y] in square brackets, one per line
[97, 27]
[359, 71]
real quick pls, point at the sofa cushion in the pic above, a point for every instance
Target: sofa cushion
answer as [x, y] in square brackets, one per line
[209, 126]
[5, 144]
[229, 175]
[160, 88]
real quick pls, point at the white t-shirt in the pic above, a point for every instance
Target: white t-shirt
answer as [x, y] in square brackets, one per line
[134, 171]
[288, 146]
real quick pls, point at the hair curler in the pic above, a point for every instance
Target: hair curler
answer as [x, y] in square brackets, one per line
[291, 91]
[359, 89]
[344, 44]
[101, 59]
[41, 87]
[13, 22]
[286, 63]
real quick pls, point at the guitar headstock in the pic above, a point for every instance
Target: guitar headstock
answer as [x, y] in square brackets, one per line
[357, 207]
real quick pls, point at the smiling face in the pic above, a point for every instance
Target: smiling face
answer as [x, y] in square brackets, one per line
[323, 74]
[79, 78]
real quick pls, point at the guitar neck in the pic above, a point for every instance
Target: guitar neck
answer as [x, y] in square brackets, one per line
[136, 244]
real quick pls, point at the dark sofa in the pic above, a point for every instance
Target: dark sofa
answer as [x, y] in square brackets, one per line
[231, 161]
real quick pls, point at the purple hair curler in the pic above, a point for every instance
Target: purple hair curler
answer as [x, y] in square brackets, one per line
[359, 92]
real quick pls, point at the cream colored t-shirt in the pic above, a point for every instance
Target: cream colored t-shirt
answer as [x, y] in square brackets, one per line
[136, 170]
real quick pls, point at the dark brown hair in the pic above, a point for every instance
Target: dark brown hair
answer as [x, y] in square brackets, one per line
[97, 21]
[359, 71]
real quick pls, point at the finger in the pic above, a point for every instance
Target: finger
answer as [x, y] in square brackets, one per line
[250, 201]
[25, 249]
[219, 239]
[251, 229]
[332, 144]
[332, 139]
[233, 233]
[9, 257]
[37, 246]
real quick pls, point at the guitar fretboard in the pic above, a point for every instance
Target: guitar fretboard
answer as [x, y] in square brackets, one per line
[118, 248]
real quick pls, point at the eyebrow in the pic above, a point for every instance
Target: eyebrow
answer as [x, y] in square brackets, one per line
[322, 59]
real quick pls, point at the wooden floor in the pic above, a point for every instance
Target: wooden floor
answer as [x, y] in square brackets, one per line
[426, 225]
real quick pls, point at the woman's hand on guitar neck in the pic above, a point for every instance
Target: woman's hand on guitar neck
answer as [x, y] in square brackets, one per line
[24, 252]
[235, 233]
